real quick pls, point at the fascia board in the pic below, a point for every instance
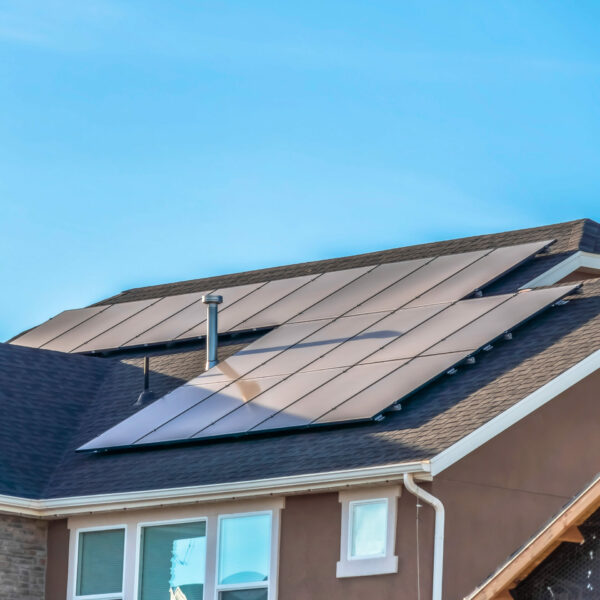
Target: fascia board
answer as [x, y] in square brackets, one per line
[566, 267]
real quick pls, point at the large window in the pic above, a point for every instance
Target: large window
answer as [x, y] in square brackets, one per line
[172, 561]
[100, 563]
[244, 557]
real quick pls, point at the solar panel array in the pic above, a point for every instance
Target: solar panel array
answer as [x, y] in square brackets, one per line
[349, 355]
[263, 305]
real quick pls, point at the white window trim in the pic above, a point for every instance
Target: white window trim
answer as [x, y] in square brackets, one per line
[349, 566]
[351, 505]
[117, 595]
[135, 519]
[579, 260]
[271, 589]
[138, 546]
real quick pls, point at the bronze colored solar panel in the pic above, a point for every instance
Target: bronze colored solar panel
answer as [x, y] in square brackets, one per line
[308, 408]
[260, 301]
[316, 345]
[160, 411]
[262, 350]
[42, 334]
[77, 336]
[273, 400]
[441, 325]
[478, 274]
[390, 388]
[372, 339]
[231, 296]
[322, 286]
[140, 322]
[507, 315]
[209, 410]
[360, 290]
[419, 282]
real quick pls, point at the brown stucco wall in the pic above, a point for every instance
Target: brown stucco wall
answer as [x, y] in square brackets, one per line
[495, 499]
[58, 560]
[22, 558]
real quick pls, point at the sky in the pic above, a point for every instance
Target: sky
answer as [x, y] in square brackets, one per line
[143, 142]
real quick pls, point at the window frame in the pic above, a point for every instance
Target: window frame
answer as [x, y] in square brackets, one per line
[245, 586]
[351, 505]
[358, 566]
[113, 596]
[138, 548]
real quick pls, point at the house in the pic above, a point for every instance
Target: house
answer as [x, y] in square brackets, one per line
[398, 425]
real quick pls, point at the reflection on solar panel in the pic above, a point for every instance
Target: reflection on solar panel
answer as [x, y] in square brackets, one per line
[280, 382]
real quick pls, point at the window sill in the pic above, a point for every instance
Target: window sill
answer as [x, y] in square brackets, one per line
[367, 566]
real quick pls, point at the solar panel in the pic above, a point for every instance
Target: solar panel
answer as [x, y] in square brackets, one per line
[42, 334]
[321, 287]
[360, 290]
[209, 410]
[393, 386]
[113, 315]
[311, 406]
[477, 274]
[267, 404]
[334, 370]
[418, 282]
[140, 322]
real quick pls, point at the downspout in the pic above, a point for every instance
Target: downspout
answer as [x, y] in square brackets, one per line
[438, 537]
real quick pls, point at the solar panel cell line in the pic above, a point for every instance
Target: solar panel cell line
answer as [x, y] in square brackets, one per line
[372, 339]
[259, 352]
[268, 403]
[261, 300]
[143, 422]
[506, 316]
[441, 325]
[77, 336]
[304, 297]
[479, 273]
[316, 345]
[140, 322]
[360, 290]
[419, 282]
[314, 404]
[209, 410]
[392, 387]
[42, 334]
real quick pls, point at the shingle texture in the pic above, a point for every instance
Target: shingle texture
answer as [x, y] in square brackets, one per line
[74, 398]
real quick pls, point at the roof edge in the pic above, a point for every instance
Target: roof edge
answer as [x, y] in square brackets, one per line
[62, 507]
[515, 413]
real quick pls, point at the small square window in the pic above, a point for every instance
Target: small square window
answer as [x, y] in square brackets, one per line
[100, 563]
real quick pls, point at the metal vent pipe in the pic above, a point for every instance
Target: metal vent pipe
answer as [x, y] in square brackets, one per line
[212, 328]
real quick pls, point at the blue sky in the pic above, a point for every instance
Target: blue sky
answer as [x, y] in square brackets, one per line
[151, 141]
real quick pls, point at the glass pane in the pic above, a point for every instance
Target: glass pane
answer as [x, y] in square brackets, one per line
[244, 549]
[369, 529]
[100, 562]
[260, 594]
[172, 561]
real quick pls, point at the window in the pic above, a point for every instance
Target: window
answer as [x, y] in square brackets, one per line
[368, 532]
[368, 528]
[244, 557]
[172, 561]
[100, 563]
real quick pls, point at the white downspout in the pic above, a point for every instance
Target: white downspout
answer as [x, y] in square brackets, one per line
[438, 537]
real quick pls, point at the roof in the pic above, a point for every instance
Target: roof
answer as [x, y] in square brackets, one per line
[100, 392]
[534, 565]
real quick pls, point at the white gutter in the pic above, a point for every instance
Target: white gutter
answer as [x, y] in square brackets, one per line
[438, 536]
[61, 507]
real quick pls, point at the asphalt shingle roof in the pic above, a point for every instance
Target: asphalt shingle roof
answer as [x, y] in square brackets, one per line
[55, 402]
